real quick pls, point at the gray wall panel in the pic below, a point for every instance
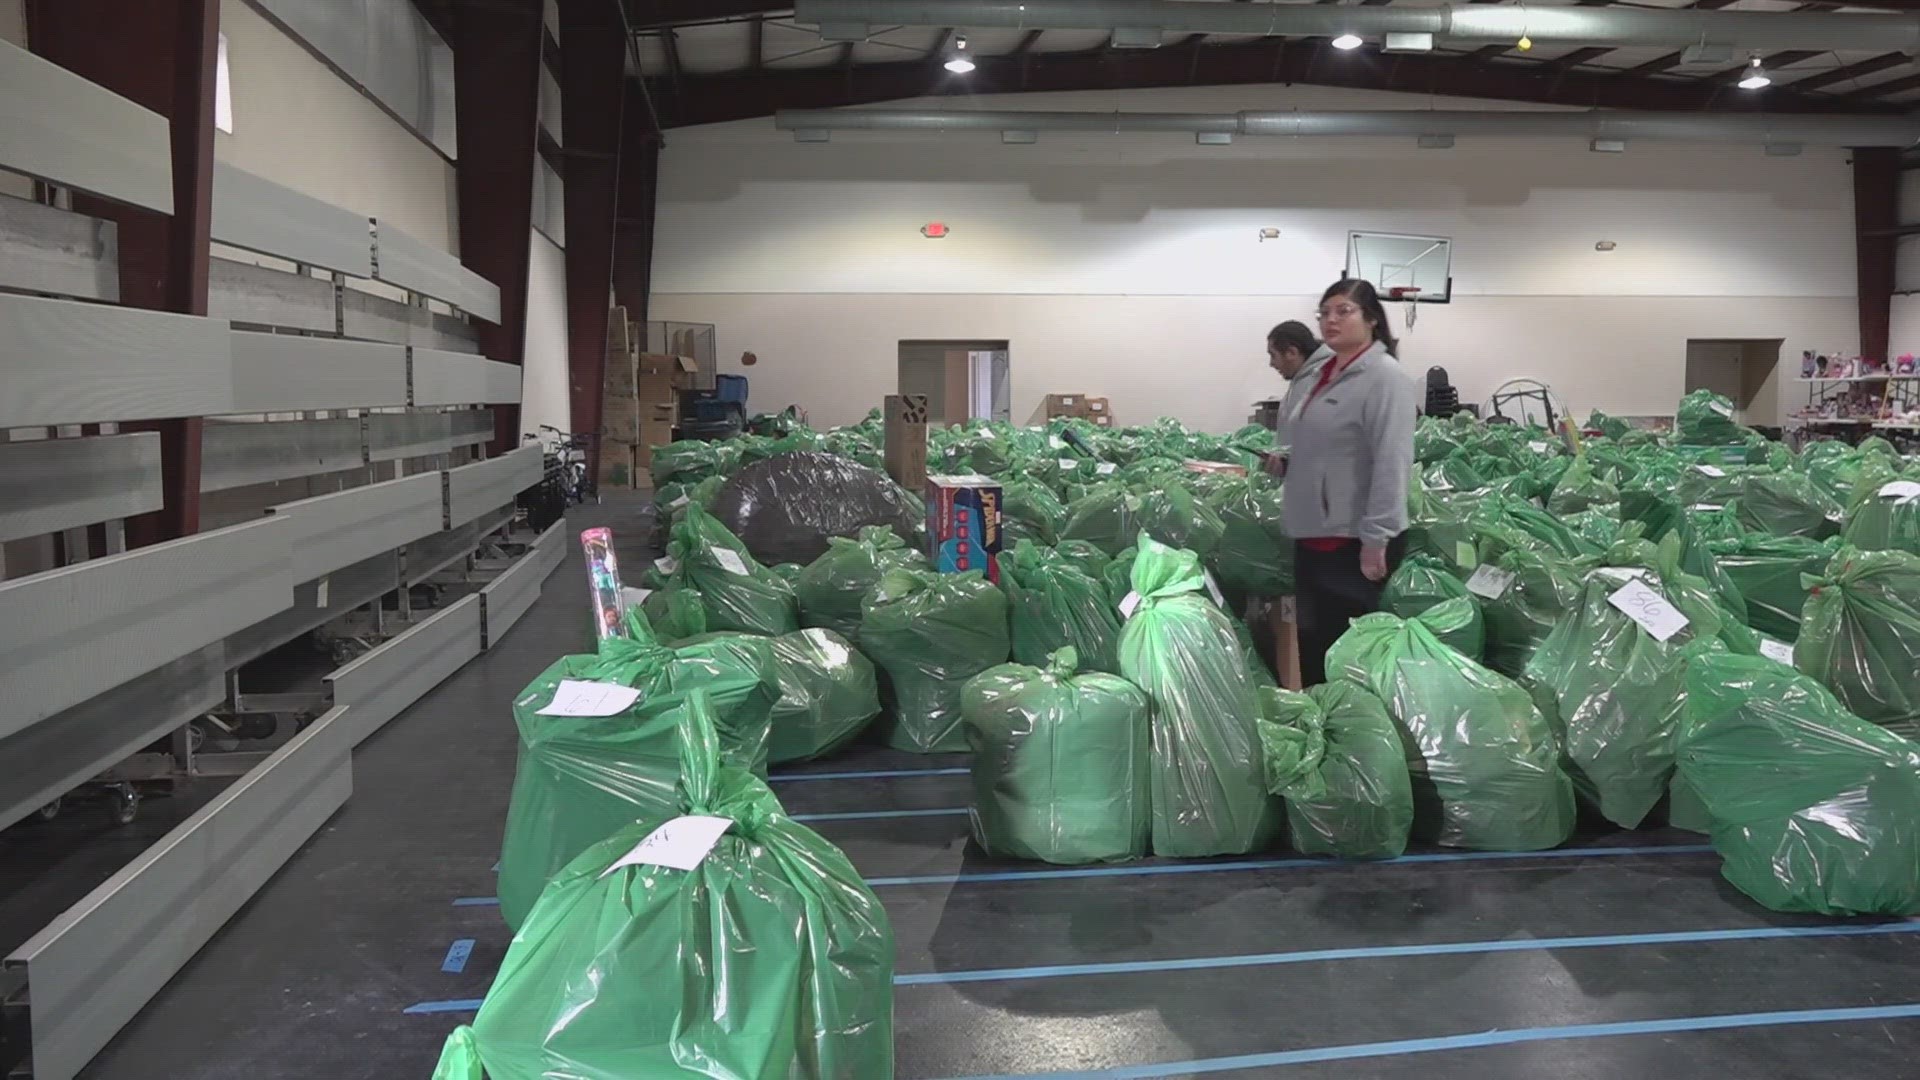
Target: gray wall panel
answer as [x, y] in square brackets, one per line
[53, 484]
[332, 531]
[381, 684]
[386, 48]
[474, 489]
[69, 634]
[243, 293]
[93, 968]
[289, 373]
[391, 436]
[401, 260]
[445, 378]
[65, 362]
[75, 133]
[239, 453]
[443, 549]
[259, 215]
[47, 250]
[509, 596]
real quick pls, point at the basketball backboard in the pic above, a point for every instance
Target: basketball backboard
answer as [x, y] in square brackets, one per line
[1421, 266]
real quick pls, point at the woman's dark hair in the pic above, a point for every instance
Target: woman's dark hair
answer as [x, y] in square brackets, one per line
[1362, 293]
[1293, 333]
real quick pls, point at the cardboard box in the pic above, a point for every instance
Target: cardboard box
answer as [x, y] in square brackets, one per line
[1067, 405]
[963, 524]
[659, 412]
[662, 377]
[1098, 406]
[617, 468]
[1214, 467]
[904, 419]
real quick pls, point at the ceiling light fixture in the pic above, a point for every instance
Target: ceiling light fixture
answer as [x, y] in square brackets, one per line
[1755, 77]
[957, 62]
[1348, 41]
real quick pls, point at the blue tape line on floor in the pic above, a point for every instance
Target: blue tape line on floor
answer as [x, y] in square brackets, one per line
[432, 1008]
[1249, 864]
[1478, 1039]
[882, 774]
[877, 815]
[1282, 864]
[1595, 941]
[457, 956]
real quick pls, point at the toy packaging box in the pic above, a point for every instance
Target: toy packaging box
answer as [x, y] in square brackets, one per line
[963, 524]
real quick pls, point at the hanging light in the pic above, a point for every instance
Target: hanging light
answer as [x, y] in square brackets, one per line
[1755, 76]
[958, 63]
[1348, 40]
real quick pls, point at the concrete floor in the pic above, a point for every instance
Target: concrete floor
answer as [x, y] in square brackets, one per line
[1441, 967]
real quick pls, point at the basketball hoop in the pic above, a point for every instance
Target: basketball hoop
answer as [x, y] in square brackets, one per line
[1410, 296]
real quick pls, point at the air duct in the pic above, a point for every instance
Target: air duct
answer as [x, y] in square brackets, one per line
[1463, 24]
[1606, 124]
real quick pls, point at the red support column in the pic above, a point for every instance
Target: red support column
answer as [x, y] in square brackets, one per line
[1876, 219]
[496, 86]
[593, 52]
[160, 54]
[633, 213]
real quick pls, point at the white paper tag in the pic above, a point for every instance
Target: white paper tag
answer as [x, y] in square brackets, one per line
[1056, 442]
[578, 697]
[666, 564]
[987, 433]
[1464, 554]
[1904, 490]
[633, 597]
[1714, 471]
[1067, 464]
[1129, 604]
[1106, 468]
[1776, 650]
[1721, 409]
[320, 593]
[679, 502]
[1490, 582]
[1660, 619]
[1213, 587]
[681, 844]
[730, 561]
[1539, 447]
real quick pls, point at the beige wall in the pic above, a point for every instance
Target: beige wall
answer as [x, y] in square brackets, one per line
[299, 124]
[543, 393]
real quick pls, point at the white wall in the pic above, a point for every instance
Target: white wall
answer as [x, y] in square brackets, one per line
[543, 391]
[1131, 266]
[299, 124]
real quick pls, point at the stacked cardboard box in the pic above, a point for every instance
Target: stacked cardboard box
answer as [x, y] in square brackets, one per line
[905, 420]
[620, 413]
[1078, 407]
[661, 379]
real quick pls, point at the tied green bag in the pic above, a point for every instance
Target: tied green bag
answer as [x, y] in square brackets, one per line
[1423, 582]
[1618, 693]
[830, 590]
[1813, 808]
[1581, 489]
[770, 959]
[1522, 615]
[828, 694]
[1885, 517]
[737, 592]
[1054, 604]
[1786, 504]
[1704, 418]
[578, 778]
[1029, 510]
[1107, 516]
[1208, 782]
[1860, 634]
[931, 633]
[1335, 755]
[1255, 554]
[1484, 764]
[1059, 763]
[1768, 571]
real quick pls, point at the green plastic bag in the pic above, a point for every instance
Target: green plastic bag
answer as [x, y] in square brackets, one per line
[1255, 554]
[687, 462]
[1483, 762]
[1084, 555]
[1422, 582]
[737, 592]
[1054, 604]
[1813, 809]
[831, 589]
[1617, 692]
[930, 633]
[1580, 489]
[676, 614]
[1059, 763]
[1522, 615]
[1860, 634]
[1704, 418]
[1768, 571]
[1335, 755]
[1786, 504]
[1611, 427]
[1885, 517]
[770, 960]
[1029, 510]
[1209, 784]
[828, 694]
[1117, 576]
[1107, 516]
[1172, 515]
[580, 778]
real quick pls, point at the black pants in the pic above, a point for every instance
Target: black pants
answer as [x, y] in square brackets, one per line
[1329, 593]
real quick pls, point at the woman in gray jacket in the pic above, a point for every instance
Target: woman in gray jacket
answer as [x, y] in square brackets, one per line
[1346, 487]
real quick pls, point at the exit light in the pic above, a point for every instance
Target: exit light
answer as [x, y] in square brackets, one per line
[933, 230]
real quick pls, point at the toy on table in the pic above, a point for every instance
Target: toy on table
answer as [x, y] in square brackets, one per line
[603, 584]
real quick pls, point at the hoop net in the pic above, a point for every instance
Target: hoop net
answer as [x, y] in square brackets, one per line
[1409, 295]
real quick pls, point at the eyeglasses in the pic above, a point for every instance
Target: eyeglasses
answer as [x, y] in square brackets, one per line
[1337, 311]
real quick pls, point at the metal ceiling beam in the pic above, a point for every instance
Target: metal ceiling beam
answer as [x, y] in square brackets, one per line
[654, 14]
[757, 44]
[714, 99]
[1026, 43]
[1851, 71]
[1883, 89]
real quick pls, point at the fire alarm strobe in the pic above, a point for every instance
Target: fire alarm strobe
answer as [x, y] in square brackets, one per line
[933, 230]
